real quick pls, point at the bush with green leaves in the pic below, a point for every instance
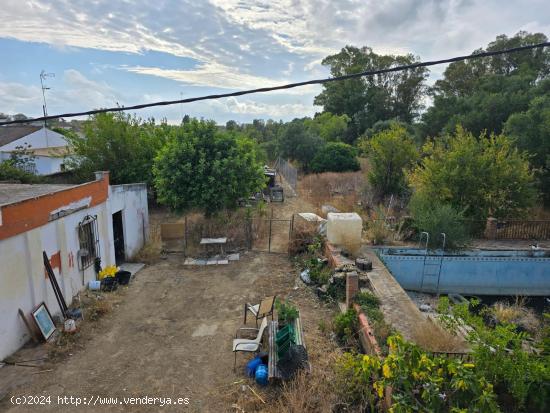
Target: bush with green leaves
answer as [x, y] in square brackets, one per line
[335, 157]
[419, 381]
[298, 143]
[530, 131]
[345, 326]
[481, 176]
[319, 272]
[119, 143]
[391, 153]
[286, 311]
[520, 376]
[10, 172]
[436, 218]
[202, 167]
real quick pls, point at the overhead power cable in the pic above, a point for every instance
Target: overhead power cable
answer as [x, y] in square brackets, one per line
[287, 86]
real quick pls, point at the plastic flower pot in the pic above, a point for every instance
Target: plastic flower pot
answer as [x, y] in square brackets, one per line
[123, 277]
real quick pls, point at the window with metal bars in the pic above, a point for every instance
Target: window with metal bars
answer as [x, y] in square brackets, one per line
[88, 236]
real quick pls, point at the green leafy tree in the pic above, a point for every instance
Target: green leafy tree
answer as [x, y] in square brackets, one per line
[298, 143]
[332, 128]
[390, 153]
[118, 143]
[202, 167]
[531, 132]
[265, 133]
[383, 125]
[335, 157]
[482, 177]
[371, 99]
[480, 94]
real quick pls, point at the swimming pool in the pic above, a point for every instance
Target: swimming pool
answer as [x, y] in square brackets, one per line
[471, 272]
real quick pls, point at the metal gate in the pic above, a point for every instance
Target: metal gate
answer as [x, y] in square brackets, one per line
[270, 234]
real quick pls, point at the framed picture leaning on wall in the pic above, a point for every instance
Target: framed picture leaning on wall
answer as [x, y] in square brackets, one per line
[43, 320]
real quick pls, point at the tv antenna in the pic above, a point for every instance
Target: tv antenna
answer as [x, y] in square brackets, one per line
[43, 77]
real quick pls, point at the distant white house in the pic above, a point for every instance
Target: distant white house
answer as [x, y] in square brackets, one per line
[48, 147]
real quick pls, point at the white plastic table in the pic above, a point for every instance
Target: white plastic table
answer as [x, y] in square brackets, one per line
[214, 241]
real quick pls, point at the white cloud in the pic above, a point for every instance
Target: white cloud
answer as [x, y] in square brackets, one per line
[219, 76]
[239, 44]
[16, 97]
[75, 92]
[209, 74]
[79, 89]
[241, 107]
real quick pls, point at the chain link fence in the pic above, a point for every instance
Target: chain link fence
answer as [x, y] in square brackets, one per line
[289, 172]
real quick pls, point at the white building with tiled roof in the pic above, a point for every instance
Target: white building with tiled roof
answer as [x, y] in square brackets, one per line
[48, 147]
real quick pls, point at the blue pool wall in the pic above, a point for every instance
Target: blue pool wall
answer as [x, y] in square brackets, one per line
[472, 272]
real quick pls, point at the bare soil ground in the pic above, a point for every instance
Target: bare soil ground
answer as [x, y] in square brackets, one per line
[169, 335]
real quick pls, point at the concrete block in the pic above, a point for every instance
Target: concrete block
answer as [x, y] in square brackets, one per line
[363, 264]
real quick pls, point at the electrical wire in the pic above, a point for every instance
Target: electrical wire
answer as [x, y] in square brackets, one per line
[286, 86]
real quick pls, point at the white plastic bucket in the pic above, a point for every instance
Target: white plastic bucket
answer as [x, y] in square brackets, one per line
[94, 285]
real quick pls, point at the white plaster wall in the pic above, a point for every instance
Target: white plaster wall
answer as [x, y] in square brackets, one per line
[44, 164]
[131, 199]
[38, 139]
[23, 283]
[47, 165]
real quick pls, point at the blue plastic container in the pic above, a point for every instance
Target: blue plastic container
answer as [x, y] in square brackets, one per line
[252, 365]
[261, 375]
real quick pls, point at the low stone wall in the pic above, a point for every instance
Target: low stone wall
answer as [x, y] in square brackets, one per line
[366, 333]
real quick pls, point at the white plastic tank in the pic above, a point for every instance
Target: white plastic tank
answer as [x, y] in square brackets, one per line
[344, 229]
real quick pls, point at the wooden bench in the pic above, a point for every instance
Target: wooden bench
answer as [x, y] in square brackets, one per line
[273, 327]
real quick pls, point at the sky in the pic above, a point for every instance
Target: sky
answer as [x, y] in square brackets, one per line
[125, 52]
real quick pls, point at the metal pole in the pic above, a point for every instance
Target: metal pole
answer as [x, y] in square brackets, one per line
[290, 233]
[185, 238]
[270, 224]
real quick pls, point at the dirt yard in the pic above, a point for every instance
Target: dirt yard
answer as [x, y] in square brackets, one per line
[170, 336]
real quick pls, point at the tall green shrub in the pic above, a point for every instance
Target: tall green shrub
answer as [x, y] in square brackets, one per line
[485, 176]
[119, 143]
[203, 167]
[335, 157]
[436, 218]
[390, 153]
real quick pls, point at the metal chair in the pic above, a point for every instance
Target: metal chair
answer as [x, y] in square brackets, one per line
[249, 345]
[264, 309]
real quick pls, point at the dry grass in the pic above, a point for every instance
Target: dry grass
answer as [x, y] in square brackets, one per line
[98, 308]
[94, 306]
[516, 313]
[302, 236]
[341, 190]
[378, 231]
[151, 251]
[539, 213]
[432, 337]
[312, 391]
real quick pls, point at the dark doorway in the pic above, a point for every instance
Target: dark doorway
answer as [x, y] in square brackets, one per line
[118, 235]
